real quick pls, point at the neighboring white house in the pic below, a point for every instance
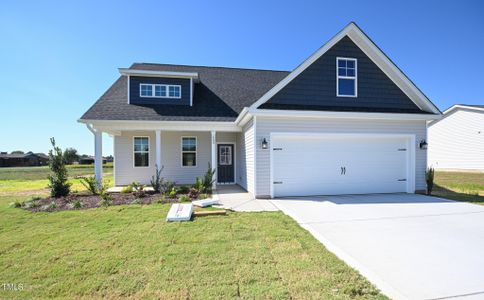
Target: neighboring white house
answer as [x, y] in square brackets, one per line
[456, 142]
[345, 121]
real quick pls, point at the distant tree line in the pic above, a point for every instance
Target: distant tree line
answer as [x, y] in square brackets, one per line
[69, 155]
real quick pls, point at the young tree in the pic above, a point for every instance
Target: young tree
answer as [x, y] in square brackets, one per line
[58, 178]
[70, 156]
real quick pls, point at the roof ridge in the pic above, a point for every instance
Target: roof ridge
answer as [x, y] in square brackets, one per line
[211, 67]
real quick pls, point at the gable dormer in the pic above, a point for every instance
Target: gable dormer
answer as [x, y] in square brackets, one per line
[160, 87]
[351, 74]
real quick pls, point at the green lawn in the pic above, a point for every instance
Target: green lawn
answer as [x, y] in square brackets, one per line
[461, 186]
[130, 251]
[36, 173]
[33, 180]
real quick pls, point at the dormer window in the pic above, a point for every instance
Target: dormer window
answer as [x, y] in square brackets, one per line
[146, 90]
[346, 77]
[160, 91]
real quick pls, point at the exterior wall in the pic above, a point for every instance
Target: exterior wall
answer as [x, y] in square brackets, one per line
[135, 81]
[124, 169]
[457, 141]
[246, 176]
[266, 125]
[316, 86]
[125, 172]
[240, 171]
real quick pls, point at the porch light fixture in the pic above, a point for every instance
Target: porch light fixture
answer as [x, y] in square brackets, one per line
[264, 143]
[423, 144]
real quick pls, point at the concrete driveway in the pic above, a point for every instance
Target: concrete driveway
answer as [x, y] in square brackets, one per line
[409, 246]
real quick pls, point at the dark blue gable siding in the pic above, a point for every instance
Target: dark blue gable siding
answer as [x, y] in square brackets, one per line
[135, 82]
[315, 87]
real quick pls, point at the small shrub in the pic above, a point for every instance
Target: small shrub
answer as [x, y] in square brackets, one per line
[91, 184]
[167, 186]
[106, 200]
[52, 205]
[58, 184]
[138, 189]
[160, 200]
[429, 177]
[172, 193]
[202, 196]
[208, 180]
[77, 204]
[184, 198]
[105, 203]
[157, 180]
[194, 193]
[127, 189]
[183, 189]
[198, 184]
[32, 203]
[16, 204]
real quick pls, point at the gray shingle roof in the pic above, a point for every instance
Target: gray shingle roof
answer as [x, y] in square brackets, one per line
[220, 96]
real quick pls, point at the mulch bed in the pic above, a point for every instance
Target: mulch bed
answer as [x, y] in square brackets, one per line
[91, 201]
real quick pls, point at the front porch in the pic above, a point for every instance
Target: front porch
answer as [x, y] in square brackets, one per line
[234, 197]
[182, 155]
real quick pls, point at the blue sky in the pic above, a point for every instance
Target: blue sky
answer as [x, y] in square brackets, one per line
[58, 57]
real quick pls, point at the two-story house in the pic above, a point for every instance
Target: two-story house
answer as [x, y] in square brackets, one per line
[345, 121]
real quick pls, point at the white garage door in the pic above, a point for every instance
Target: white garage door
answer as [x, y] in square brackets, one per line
[338, 164]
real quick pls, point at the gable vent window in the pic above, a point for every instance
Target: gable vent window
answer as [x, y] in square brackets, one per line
[160, 91]
[346, 77]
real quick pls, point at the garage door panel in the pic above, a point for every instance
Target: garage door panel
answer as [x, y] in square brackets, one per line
[312, 165]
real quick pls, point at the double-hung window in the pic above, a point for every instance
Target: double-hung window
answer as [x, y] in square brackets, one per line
[146, 90]
[189, 151]
[346, 77]
[160, 91]
[141, 151]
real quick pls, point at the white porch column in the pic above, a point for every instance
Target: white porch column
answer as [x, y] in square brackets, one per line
[158, 148]
[98, 155]
[214, 156]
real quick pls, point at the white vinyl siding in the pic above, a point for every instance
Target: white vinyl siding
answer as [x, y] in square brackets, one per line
[241, 171]
[455, 142]
[124, 169]
[125, 173]
[248, 140]
[266, 125]
[170, 157]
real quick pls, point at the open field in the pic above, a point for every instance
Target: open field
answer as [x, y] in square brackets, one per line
[130, 251]
[35, 173]
[461, 186]
[32, 181]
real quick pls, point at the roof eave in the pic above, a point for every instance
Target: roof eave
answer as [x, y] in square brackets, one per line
[151, 73]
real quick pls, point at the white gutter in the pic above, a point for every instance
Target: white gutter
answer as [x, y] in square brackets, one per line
[150, 73]
[341, 115]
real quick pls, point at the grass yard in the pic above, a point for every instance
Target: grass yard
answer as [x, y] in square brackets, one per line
[36, 173]
[130, 251]
[461, 186]
[32, 181]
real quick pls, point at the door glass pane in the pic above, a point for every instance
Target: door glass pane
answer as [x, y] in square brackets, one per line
[225, 155]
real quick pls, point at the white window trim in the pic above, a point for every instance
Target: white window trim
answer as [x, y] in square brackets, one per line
[167, 86]
[196, 151]
[346, 77]
[149, 150]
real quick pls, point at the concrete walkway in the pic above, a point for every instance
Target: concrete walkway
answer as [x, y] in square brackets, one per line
[409, 246]
[235, 198]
